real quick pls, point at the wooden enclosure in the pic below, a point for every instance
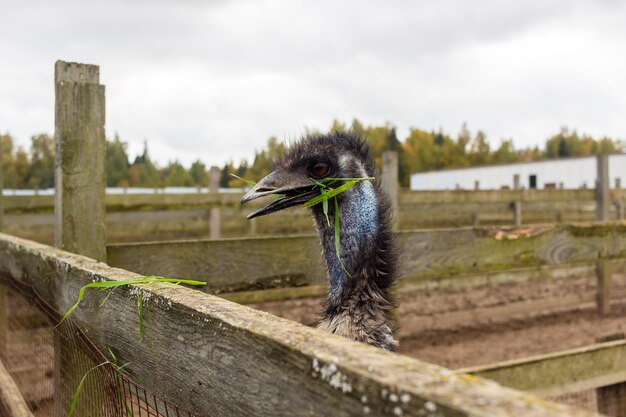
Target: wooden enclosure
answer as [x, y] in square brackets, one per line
[226, 359]
[218, 357]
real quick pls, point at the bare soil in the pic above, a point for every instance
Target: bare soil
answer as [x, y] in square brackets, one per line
[460, 346]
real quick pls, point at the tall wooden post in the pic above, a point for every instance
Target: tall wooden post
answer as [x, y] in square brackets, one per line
[4, 321]
[517, 213]
[215, 214]
[602, 188]
[516, 206]
[1, 187]
[619, 210]
[389, 177]
[390, 183]
[80, 177]
[79, 205]
[604, 274]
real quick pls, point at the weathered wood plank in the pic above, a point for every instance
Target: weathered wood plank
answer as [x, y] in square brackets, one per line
[406, 198]
[228, 264]
[80, 176]
[602, 187]
[220, 358]
[427, 255]
[560, 373]
[275, 294]
[12, 403]
[408, 285]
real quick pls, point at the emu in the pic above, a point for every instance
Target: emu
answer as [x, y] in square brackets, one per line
[359, 301]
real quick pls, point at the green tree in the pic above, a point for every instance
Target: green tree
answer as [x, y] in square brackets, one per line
[8, 163]
[175, 175]
[116, 162]
[199, 174]
[41, 170]
[142, 172]
[480, 152]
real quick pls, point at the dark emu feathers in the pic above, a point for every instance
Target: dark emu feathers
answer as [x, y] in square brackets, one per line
[359, 301]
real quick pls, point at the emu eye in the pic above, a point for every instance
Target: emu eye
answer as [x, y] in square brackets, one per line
[320, 169]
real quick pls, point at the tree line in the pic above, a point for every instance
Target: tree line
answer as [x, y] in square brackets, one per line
[420, 151]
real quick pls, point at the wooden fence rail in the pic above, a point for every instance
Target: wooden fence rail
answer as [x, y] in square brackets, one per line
[220, 358]
[559, 373]
[132, 217]
[429, 258]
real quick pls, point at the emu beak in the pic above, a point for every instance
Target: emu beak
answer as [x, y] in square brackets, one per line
[291, 190]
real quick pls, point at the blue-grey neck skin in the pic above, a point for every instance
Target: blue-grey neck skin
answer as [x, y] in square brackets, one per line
[358, 219]
[359, 226]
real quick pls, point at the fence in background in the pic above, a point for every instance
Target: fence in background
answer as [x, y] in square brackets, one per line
[141, 217]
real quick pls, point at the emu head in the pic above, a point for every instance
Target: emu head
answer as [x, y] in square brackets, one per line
[338, 155]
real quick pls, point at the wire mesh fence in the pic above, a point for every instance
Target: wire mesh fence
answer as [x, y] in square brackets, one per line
[609, 400]
[59, 371]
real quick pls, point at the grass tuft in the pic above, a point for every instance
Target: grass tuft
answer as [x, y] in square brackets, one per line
[112, 285]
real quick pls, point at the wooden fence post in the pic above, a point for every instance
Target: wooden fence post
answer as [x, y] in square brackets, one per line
[4, 320]
[516, 206]
[1, 188]
[517, 213]
[611, 399]
[80, 176]
[619, 210]
[389, 176]
[604, 273]
[79, 205]
[215, 214]
[602, 188]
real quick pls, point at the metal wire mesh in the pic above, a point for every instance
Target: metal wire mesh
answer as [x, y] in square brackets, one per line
[58, 368]
[609, 400]
[584, 400]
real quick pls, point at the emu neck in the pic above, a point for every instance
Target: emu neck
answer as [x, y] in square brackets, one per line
[359, 301]
[360, 227]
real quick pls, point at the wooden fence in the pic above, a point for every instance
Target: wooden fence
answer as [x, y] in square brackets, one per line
[141, 217]
[221, 358]
[429, 258]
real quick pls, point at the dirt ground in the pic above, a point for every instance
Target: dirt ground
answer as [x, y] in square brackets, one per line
[500, 339]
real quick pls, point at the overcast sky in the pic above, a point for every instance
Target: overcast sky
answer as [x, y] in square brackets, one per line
[215, 79]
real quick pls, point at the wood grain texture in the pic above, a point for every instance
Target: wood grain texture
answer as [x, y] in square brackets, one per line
[219, 358]
[426, 255]
[561, 372]
[80, 176]
[409, 285]
[227, 264]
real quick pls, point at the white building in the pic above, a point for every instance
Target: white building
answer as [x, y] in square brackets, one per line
[576, 172]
